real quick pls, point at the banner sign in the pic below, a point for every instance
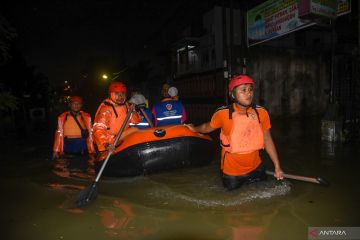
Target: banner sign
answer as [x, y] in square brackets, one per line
[318, 8]
[272, 19]
[343, 7]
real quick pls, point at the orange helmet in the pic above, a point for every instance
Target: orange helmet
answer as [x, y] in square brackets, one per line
[117, 87]
[238, 80]
[77, 99]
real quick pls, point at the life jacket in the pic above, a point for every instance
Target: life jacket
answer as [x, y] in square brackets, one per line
[71, 128]
[168, 112]
[108, 120]
[246, 134]
[143, 124]
[118, 117]
[68, 128]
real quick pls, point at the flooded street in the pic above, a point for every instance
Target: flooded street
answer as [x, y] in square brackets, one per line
[37, 204]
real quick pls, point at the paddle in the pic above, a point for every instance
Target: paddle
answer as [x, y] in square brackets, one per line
[317, 180]
[146, 117]
[90, 193]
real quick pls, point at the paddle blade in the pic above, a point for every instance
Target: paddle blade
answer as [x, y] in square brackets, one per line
[86, 196]
[322, 181]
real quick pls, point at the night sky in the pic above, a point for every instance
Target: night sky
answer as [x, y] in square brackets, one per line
[67, 39]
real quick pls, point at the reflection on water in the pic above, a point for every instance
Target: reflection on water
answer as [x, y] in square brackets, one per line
[74, 166]
[38, 196]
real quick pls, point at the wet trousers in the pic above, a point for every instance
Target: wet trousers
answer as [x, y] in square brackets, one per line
[233, 182]
[75, 145]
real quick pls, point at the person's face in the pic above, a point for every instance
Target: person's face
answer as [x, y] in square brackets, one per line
[243, 94]
[75, 106]
[118, 97]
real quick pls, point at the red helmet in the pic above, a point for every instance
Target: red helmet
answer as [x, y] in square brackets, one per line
[117, 87]
[238, 80]
[77, 99]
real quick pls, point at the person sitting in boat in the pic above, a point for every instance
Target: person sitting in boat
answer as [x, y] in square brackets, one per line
[168, 111]
[136, 91]
[245, 129]
[110, 116]
[147, 118]
[74, 133]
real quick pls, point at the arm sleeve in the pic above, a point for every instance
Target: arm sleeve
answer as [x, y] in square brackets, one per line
[216, 121]
[135, 117]
[100, 133]
[89, 141]
[59, 136]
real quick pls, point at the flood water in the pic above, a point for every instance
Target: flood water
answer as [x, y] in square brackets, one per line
[37, 204]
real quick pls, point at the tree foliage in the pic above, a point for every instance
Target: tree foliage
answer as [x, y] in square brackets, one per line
[8, 102]
[7, 34]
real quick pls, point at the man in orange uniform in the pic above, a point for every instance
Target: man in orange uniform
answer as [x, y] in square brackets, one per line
[111, 115]
[74, 133]
[245, 129]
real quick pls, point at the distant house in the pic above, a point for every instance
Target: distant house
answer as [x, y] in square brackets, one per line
[198, 62]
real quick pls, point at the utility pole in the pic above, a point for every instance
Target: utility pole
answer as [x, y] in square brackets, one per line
[231, 41]
[243, 43]
[332, 78]
[358, 18]
[225, 55]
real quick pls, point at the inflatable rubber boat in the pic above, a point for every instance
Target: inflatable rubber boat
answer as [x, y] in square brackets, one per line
[158, 149]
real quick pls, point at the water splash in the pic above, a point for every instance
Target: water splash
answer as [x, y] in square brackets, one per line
[216, 196]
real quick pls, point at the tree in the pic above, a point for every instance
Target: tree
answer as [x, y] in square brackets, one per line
[7, 34]
[8, 102]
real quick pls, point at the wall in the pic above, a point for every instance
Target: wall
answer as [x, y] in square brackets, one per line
[290, 83]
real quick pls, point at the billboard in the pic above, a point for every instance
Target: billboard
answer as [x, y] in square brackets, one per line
[272, 19]
[312, 9]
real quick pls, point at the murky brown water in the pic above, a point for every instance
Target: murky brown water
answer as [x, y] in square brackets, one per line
[184, 204]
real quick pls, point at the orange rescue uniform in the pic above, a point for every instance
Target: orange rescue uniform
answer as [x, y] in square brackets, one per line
[67, 127]
[241, 144]
[108, 121]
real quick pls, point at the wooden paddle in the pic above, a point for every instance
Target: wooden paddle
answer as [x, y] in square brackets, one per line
[317, 180]
[90, 193]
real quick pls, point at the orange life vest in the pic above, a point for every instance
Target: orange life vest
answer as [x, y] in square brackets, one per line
[71, 128]
[108, 121]
[246, 134]
[67, 127]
